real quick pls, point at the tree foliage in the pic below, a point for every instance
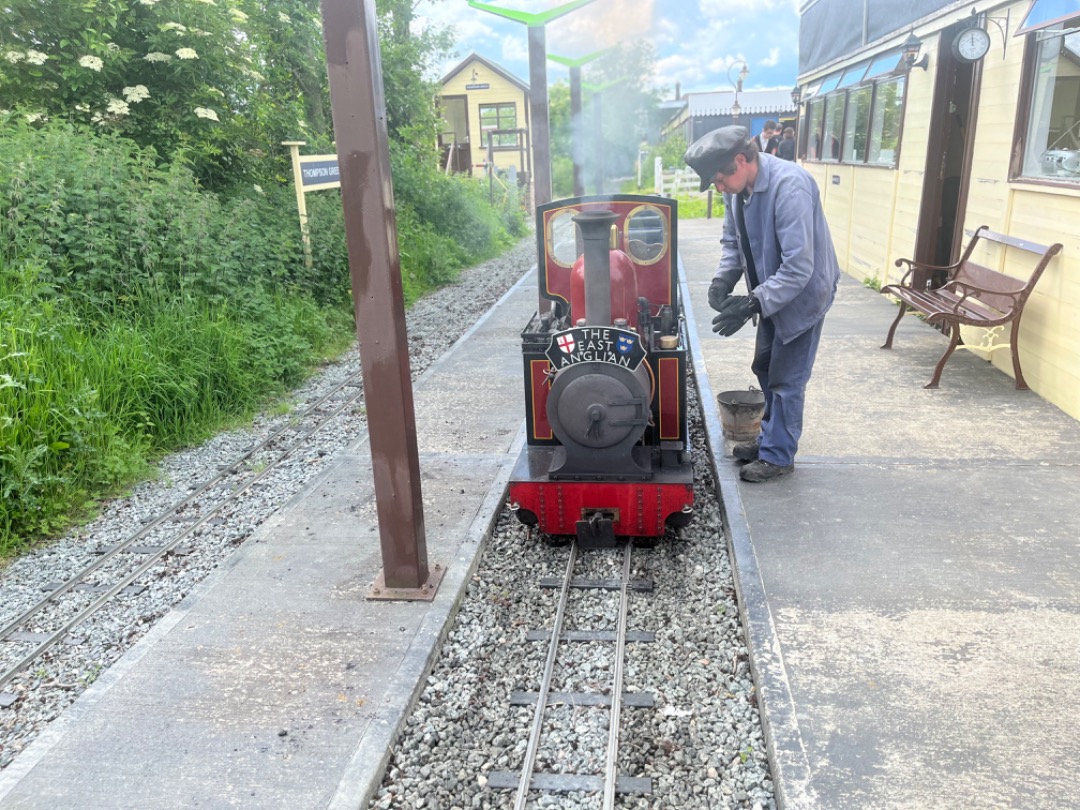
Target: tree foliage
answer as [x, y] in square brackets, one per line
[220, 81]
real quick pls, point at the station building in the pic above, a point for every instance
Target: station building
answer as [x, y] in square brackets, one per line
[485, 119]
[699, 113]
[925, 119]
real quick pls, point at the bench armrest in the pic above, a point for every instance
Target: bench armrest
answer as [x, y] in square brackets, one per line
[965, 290]
[914, 265]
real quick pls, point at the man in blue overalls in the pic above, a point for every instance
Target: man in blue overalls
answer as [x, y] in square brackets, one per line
[776, 237]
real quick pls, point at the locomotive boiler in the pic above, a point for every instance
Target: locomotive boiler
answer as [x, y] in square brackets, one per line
[605, 370]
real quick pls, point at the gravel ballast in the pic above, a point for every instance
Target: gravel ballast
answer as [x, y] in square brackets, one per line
[701, 744]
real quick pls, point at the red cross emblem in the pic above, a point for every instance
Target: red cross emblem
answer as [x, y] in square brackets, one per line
[566, 343]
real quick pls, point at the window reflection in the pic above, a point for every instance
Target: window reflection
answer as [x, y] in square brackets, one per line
[1052, 146]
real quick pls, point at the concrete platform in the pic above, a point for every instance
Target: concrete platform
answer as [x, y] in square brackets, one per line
[911, 596]
[912, 592]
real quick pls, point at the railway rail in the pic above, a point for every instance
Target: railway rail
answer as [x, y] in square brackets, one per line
[609, 783]
[15, 633]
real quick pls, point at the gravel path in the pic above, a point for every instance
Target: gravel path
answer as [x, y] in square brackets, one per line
[53, 683]
[701, 744]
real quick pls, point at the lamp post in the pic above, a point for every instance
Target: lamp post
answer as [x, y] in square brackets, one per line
[735, 108]
[598, 134]
[577, 126]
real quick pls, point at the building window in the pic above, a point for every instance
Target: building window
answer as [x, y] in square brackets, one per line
[1052, 129]
[856, 124]
[834, 126]
[498, 116]
[813, 129]
[855, 115]
[885, 122]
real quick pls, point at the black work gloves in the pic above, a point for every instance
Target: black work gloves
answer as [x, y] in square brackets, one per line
[719, 290]
[734, 313]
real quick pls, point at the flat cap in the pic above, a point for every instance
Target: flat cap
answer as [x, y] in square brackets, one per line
[714, 151]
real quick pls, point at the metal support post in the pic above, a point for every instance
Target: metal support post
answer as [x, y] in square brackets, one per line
[359, 108]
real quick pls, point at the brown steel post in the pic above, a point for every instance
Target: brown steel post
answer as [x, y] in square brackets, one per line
[359, 109]
[577, 131]
[538, 111]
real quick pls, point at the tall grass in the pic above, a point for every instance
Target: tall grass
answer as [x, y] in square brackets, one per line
[84, 405]
[139, 313]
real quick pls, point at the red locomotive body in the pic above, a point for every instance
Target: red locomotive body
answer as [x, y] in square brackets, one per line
[607, 451]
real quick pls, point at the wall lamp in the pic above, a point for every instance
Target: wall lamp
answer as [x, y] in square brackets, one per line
[796, 95]
[912, 45]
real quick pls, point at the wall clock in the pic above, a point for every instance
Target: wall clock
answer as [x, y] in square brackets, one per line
[971, 44]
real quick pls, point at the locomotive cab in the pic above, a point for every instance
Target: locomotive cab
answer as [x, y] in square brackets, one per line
[606, 452]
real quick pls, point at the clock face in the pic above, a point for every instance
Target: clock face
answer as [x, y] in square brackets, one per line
[971, 44]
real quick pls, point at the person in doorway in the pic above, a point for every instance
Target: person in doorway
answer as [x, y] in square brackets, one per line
[786, 149]
[768, 140]
[776, 238]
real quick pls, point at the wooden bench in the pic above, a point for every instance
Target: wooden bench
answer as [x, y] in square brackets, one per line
[970, 295]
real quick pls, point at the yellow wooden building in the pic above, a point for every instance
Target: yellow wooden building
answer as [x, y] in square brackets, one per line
[979, 124]
[485, 115]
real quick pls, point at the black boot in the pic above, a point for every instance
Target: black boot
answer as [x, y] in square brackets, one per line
[745, 451]
[762, 470]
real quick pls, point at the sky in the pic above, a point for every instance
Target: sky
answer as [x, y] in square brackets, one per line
[697, 41]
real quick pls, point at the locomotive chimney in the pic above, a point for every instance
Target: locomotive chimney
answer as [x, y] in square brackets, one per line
[596, 236]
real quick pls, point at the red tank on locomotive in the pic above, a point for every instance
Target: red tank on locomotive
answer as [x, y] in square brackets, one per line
[607, 450]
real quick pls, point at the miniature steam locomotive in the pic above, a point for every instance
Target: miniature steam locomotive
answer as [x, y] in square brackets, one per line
[607, 452]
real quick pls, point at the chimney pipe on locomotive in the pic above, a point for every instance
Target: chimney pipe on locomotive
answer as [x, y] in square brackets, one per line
[596, 237]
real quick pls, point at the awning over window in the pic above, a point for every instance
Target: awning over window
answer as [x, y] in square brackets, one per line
[1044, 13]
[829, 84]
[853, 75]
[811, 91]
[884, 63]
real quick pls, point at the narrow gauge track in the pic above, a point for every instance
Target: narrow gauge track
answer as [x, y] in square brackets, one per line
[610, 782]
[89, 617]
[321, 414]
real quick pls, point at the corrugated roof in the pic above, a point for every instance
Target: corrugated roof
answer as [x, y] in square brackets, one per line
[751, 102]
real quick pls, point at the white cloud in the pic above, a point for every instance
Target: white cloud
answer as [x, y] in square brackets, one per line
[515, 48]
[772, 60]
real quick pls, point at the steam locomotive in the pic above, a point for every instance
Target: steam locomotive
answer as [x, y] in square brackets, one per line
[607, 451]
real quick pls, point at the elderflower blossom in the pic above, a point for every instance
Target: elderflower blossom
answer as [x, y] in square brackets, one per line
[186, 53]
[283, 17]
[215, 91]
[94, 63]
[36, 57]
[14, 57]
[208, 2]
[148, 2]
[206, 112]
[157, 56]
[34, 117]
[82, 107]
[117, 107]
[259, 189]
[237, 15]
[173, 26]
[133, 95]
